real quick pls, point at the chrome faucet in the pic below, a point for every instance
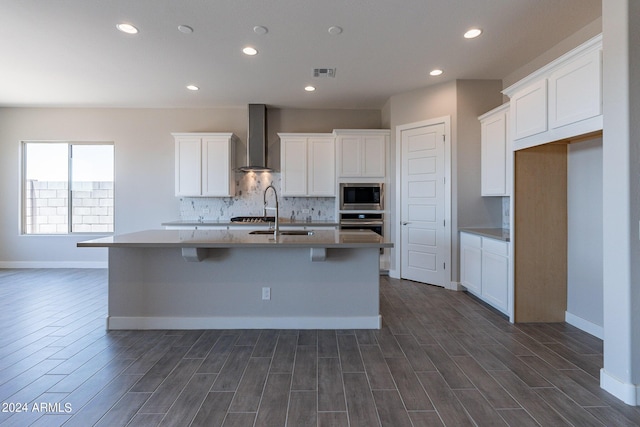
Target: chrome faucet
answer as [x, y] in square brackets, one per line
[275, 193]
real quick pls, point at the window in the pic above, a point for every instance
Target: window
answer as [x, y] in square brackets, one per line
[67, 187]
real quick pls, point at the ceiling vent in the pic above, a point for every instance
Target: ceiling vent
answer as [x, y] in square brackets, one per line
[324, 72]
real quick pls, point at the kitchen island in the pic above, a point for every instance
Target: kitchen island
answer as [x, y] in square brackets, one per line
[231, 279]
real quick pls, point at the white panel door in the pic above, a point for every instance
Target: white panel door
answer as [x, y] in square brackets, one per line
[374, 155]
[322, 160]
[188, 167]
[294, 166]
[215, 167]
[424, 244]
[529, 110]
[350, 156]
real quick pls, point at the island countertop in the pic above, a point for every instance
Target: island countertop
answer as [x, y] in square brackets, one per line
[239, 239]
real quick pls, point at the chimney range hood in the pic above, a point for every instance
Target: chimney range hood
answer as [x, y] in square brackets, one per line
[257, 140]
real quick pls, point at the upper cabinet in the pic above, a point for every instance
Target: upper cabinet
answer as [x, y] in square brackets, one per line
[559, 101]
[496, 154]
[204, 164]
[361, 153]
[307, 163]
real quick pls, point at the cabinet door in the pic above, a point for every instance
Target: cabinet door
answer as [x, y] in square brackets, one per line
[494, 155]
[495, 279]
[321, 163]
[373, 156]
[216, 164]
[471, 263]
[575, 91]
[529, 110]
[188, 171]
[293, 165]
[350, 155]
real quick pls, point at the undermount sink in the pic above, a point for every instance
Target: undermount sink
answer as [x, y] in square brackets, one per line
[284, 233]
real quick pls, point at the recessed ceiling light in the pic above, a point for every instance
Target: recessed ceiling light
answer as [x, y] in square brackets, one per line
[334, 31]
[249, 51]
[309, 88]
[127, 28]
[259, 29]
[436, 72]
[472, 33]
[185, 29]
[192, 87]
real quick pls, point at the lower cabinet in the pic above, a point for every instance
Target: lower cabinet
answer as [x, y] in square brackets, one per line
[484, 269]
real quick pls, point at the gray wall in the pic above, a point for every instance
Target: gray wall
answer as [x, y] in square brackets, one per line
[144, 151]
[463, 101]
[584, 234]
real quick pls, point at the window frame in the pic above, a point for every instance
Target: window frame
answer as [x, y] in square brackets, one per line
[22, 205]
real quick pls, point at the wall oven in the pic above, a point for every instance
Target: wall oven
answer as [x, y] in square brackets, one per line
[363, 221]
[363, 197]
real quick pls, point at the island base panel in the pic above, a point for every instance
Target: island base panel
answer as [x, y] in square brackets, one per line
[155, 288]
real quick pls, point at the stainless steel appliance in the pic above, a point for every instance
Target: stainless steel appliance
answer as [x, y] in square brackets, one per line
[362, 196]
[363, 221]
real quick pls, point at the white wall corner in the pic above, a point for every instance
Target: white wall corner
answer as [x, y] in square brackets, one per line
[628, 393]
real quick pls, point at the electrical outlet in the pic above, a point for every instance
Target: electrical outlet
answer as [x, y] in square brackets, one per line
[205, 211]
[305, 211]
[266, 294]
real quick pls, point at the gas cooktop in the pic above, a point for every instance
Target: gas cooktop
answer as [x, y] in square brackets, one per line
[253, 219]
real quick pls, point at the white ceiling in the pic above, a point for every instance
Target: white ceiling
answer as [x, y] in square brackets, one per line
[69, 53]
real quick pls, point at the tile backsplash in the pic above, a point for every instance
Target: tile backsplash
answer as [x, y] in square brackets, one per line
[248, 201]
[506, 207]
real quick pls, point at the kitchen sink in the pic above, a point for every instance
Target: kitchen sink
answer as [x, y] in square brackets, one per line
[284, 233]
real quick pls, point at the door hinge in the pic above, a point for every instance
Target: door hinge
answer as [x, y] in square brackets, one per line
[443, 138]
[444, 265]
[444, 222]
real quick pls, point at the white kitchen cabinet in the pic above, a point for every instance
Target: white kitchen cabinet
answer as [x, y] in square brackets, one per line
[561, 100]
[484, 269]
[307, 165]
[529, 110]
[362, 153]
[471, 262]
[575, 90]
[496, 154]
[204, 164]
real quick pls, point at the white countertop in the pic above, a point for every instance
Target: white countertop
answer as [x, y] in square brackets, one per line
[494, 233]
[239, 239]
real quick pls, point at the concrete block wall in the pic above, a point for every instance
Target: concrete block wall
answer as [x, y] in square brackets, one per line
[47, 207]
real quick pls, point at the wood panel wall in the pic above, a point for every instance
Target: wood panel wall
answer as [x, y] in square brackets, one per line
[540, 264]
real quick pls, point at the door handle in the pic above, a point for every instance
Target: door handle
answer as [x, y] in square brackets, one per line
[406, 223]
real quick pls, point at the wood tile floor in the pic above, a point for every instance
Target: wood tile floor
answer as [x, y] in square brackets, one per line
[442, 358]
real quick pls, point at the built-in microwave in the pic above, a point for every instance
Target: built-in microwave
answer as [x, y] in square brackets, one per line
[363, 196]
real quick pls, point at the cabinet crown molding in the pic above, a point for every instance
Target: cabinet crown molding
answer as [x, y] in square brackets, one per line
[499, 108]
[592, 44]
[362, 132]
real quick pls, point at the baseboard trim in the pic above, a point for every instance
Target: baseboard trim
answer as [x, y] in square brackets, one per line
[628, 393]
[584, 325]
[53, 264]
[362, 322]
[456, 286]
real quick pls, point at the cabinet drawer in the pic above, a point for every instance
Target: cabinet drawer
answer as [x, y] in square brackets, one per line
[494, 246]
[470, 240]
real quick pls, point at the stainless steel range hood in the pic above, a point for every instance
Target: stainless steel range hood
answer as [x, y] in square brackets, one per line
[256, 140]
